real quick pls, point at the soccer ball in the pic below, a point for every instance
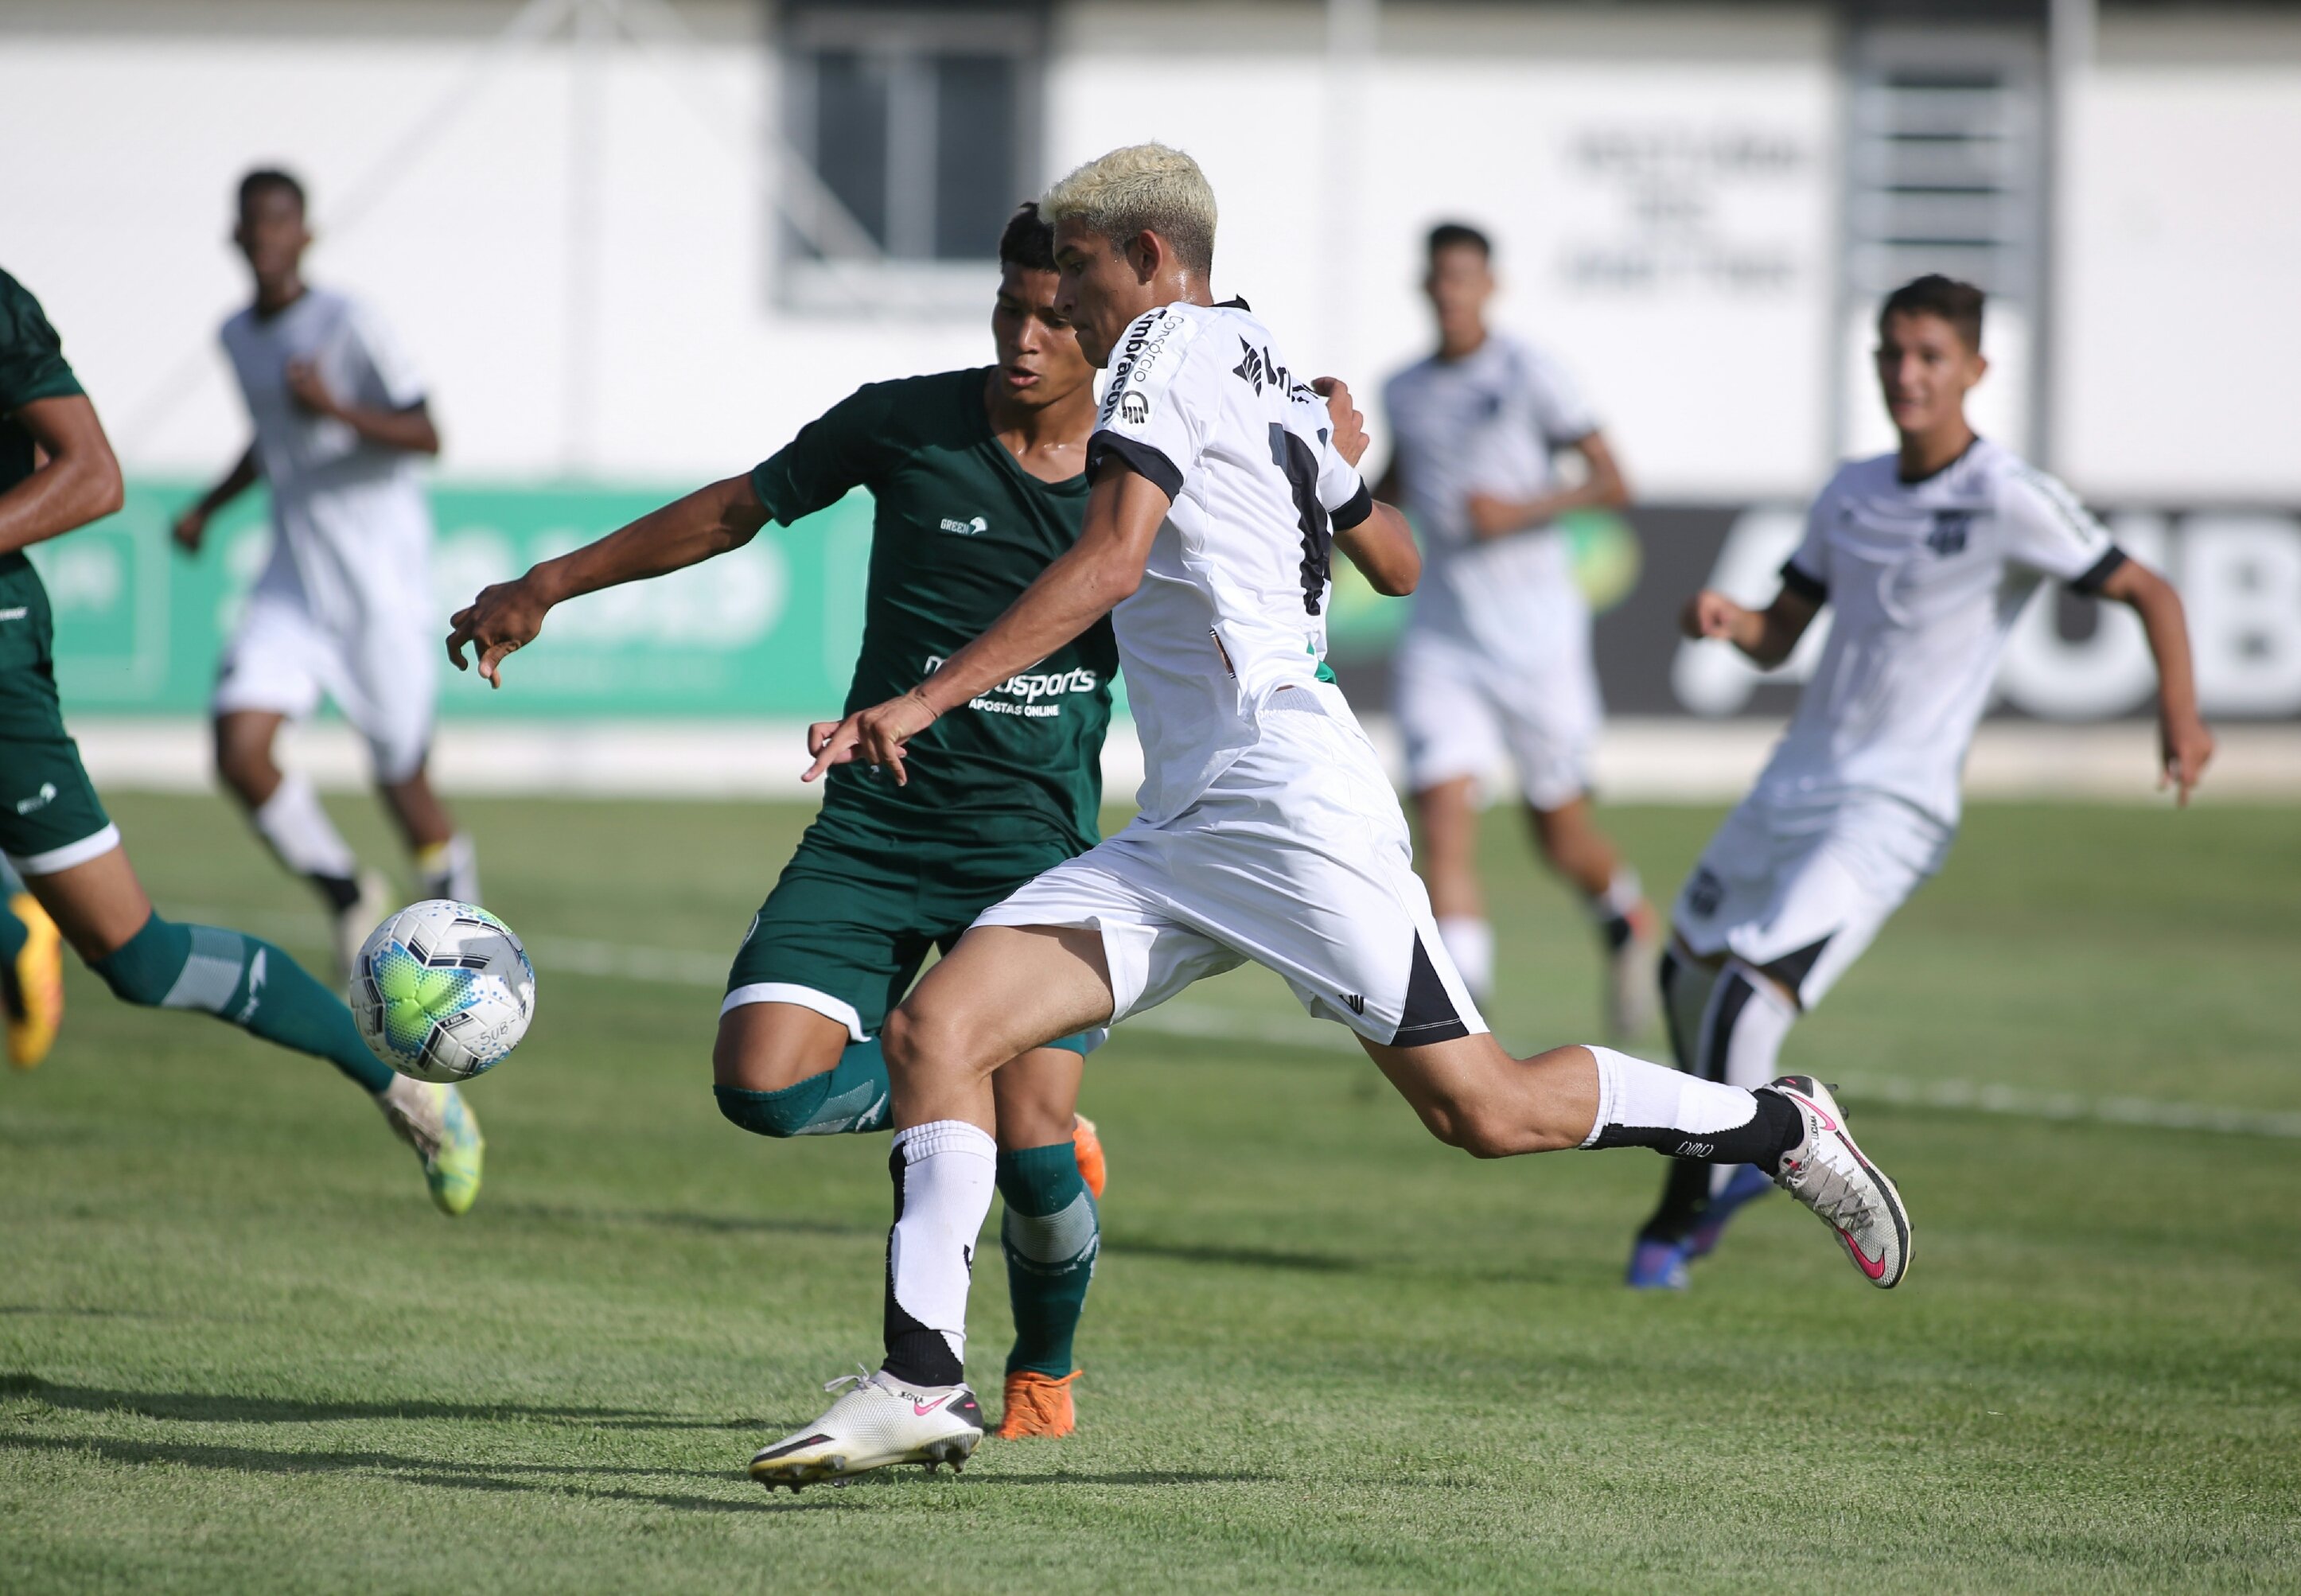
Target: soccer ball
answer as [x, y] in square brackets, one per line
[442, 990]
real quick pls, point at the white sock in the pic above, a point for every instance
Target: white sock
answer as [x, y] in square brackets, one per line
[449, 869]
[1624, 893]
[1634, 1096]
[299, 831]
[1470, 944]
[1743, 1027]
[949, 1171]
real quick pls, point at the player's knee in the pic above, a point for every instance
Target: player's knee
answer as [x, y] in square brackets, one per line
[920, 1040]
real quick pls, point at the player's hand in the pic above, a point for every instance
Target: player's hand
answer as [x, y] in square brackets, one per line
[1710, 615]
[1491, 517]
[2184, 747]
[875, 736]
[306, 388]
[504, 617]
[1350, 436]
[189, 528]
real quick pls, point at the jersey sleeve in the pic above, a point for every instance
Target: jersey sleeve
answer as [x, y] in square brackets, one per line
[2047, 529]
[842, 449]
[1162, 402]
[1806, 573]
[1554, 400]
[32, 364]
[394, 369]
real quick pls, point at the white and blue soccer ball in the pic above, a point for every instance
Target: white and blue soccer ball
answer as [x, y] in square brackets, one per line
[442, 990]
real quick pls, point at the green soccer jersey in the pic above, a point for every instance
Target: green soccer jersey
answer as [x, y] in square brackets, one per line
[31, 367]
[960, 529]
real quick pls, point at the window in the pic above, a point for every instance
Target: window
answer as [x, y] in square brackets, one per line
[910, 136]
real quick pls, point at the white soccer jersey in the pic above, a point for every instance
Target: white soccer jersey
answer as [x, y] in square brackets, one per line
[1232, 605]
[352, 532]
[1490, 424]
[1925, 579]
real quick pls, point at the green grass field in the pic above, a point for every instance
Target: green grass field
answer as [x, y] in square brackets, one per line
[239, 1352]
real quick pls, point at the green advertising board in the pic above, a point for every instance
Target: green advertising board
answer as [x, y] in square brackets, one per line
[770, 631]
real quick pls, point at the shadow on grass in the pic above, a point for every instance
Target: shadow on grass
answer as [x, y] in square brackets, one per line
[216, 1408]
[713, 1224]
[1243, 1257]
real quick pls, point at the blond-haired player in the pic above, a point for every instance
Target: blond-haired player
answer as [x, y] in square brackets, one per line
[1222, 482]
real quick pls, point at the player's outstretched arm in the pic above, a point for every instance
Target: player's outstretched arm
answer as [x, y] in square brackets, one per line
[1085, 583]
[2184, 744]
[1383, 547]
[77, 483]
[1766, 636]
[506, 616]
[192, 525]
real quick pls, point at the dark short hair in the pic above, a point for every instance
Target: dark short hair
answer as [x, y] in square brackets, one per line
[269, 177]
[1959, 304]
[1029, 240]
[1447, 235]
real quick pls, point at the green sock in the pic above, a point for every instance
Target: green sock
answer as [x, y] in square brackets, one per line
[242, 981]
[849, 1096]
[1050, 1235]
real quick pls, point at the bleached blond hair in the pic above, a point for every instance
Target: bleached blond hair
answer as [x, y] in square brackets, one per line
[1142, 188]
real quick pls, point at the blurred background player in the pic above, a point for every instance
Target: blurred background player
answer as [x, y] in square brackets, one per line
[977, 478]
[57, 472]
[1927, 555]
[1496, 656]
[344, 608]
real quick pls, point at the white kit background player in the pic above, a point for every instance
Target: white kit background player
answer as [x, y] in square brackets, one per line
[1495, 659]
[1926, 556]
[1268, 830]
[344, 608]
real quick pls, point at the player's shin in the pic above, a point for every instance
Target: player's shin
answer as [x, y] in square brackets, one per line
[943, 1172]
[851, 1096]
[1050, 1235]
[245, 982]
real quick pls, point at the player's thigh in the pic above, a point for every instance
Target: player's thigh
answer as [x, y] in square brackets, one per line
[1444, 716]
[767, 1047]
[1003, 992]
[1037, 1095]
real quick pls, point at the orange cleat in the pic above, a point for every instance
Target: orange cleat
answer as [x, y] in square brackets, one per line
[35, 990]
[1037, 1406]
[1088, 1146]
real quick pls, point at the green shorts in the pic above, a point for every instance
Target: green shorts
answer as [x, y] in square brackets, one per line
[853, 916]
[50, 817]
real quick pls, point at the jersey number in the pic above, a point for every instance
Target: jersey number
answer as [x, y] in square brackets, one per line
[1292, 455]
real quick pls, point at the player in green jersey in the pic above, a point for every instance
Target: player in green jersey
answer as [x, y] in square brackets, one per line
[57, 472]
[978, 484]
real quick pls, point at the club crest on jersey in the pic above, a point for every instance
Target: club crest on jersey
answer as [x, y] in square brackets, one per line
[966, 529]
[1951, 530]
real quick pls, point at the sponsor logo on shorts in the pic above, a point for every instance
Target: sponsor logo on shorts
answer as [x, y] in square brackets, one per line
[38, 800]
[974, 528]
[17, 613]
[1023, 694]
[1355, 1002]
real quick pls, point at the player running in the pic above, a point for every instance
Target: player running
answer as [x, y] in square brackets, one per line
[1496, 654]
[344, 608]
[1268, 830]
[978, 480]
[1927, 555]
[57, 472]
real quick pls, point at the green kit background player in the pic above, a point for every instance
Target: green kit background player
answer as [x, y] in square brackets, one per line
[57, 472]
[977, 478]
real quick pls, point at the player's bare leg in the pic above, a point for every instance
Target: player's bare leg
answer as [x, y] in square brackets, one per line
[1447, 817]
[287, 814]
[1571, 844]
[1001, 993]
[446, 861]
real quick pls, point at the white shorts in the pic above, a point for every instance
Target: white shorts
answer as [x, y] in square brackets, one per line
[1461, 710]
[1296, 858]
[1799, 891]
[384, 677]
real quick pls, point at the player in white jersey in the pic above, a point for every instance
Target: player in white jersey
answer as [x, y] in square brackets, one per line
[1925, 556]
[1221, 483]
[1496, 654]
[343, 609]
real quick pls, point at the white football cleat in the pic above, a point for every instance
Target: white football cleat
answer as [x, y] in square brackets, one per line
[1827, 1172]
[880, 1421]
